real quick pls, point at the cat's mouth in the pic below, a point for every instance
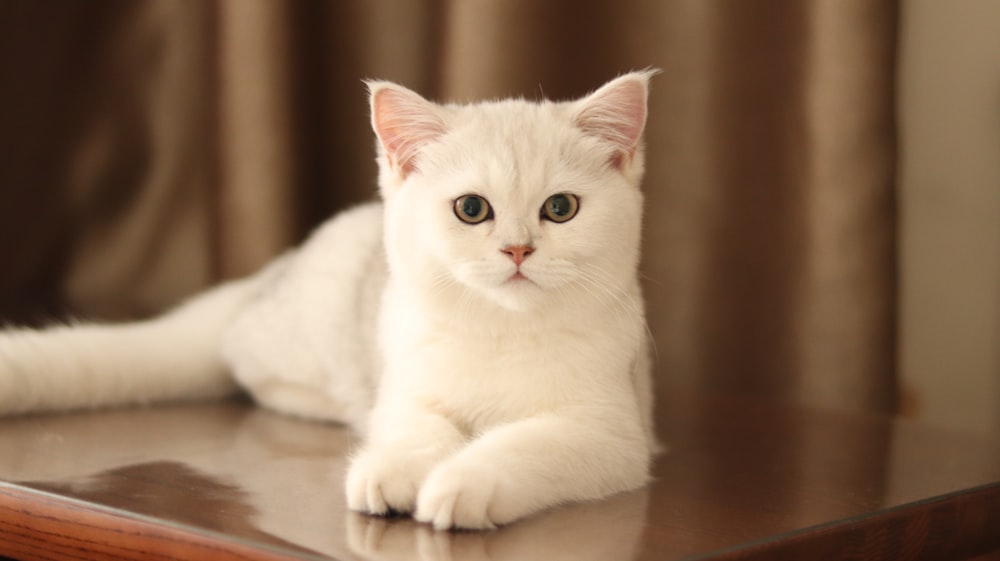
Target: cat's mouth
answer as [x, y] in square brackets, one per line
[519, 277]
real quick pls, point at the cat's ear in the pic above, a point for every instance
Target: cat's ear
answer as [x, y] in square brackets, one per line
[404, 123]
[616, 114]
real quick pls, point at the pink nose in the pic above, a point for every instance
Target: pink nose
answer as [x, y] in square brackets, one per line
[518, 252]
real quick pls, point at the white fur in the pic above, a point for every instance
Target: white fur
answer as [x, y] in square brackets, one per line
[484, 398]
[307, 346]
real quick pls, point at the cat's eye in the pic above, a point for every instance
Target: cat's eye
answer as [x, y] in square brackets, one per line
[472, 209]
[561, 207]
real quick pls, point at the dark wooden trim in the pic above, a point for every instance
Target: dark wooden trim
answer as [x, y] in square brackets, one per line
[39, 526]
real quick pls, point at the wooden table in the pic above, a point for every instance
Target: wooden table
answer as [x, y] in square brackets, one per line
[744, 479]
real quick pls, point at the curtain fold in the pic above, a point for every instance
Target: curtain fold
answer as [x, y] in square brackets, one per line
[151, 149]
[797, 259]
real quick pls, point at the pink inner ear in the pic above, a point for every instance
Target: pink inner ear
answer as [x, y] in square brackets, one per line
[616, 114]
[404, 123]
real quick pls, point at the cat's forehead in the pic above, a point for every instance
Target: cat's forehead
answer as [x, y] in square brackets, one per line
[512, 122]
[512, 143]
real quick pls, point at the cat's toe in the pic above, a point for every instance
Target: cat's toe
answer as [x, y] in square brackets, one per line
[362, 495]
[380, 485]
[456, 498]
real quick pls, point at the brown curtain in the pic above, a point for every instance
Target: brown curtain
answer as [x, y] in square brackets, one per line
[150, 149]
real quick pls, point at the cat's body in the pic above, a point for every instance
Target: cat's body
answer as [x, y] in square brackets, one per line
[483, 327]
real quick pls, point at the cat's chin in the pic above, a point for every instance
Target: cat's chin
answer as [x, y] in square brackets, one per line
[518, 295]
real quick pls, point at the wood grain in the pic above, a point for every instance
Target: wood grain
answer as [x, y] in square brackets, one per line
[35, 526]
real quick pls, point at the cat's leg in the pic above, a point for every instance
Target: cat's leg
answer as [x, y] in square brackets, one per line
[404, 444]
[520, 468]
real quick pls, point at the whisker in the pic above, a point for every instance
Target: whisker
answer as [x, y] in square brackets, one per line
[598, 278]
[651, 280]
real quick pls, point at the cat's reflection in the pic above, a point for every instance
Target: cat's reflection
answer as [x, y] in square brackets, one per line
[162, 490]
[269, 479]
[608, 529]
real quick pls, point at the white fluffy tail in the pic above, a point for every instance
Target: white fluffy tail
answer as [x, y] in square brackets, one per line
[175, 356]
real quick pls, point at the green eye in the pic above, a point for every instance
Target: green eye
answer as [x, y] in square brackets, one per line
[472, 209]
[561, 207]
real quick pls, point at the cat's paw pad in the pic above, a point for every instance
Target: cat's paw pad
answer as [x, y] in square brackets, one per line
[382, 483]
[460, 496]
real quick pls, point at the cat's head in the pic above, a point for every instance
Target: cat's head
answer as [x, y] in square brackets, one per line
[519, 203]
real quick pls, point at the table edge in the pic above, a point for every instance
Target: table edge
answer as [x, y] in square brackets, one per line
[36, 524]
[956, 525]
[41, 525]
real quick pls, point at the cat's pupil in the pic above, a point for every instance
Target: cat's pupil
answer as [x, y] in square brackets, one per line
[472, 206]
[472, 209]
[559, 205]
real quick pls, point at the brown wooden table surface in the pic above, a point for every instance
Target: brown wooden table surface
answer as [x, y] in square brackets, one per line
[743, 479]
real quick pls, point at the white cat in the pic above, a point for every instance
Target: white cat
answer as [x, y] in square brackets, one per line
[483, 326]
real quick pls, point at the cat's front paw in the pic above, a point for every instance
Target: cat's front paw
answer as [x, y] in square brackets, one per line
[464, 495]
[383, 482]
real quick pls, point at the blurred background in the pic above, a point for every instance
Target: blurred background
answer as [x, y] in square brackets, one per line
[823, 184]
